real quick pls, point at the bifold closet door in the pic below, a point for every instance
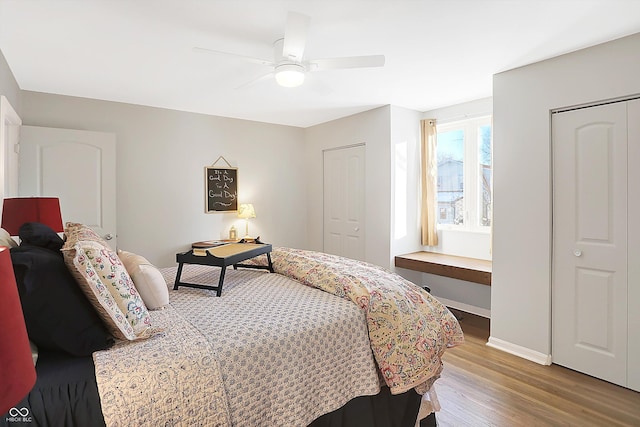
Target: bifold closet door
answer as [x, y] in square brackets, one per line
[633, 373]
[589, 296]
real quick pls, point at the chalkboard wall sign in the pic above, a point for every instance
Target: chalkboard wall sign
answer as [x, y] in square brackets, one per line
[221, 186]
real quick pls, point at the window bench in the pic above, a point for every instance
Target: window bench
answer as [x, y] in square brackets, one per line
[457, 267]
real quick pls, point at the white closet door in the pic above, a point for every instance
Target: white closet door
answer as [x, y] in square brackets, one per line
[590, 241]
[634, 245]
[344, 201]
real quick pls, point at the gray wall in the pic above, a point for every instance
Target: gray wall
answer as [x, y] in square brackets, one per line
[522, 101]
[405, 185]
[280, 172]
[373, 129]
[161, 155]
[8, 85]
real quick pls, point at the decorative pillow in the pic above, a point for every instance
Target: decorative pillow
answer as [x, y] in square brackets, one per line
[6, 240]
[57, 314]
[41, 235]
[75, 232]
[108, 286]
[147, 278]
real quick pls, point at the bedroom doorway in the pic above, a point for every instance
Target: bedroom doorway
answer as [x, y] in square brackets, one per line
[344, 201]
[77, 166]
[596, 241]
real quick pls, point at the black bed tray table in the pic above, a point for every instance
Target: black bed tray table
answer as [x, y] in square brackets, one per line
[222, 256]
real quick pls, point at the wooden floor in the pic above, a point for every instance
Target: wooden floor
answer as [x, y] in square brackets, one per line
[482, 386]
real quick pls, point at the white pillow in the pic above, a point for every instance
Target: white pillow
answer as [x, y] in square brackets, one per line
[6, 240]
[147, 279]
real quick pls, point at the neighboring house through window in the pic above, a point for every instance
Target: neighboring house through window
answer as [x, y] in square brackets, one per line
[464, 174]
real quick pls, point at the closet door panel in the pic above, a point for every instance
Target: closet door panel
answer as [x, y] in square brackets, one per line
[589, 297]
[634, 245]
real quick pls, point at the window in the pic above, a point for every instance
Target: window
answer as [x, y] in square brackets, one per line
[464, 174]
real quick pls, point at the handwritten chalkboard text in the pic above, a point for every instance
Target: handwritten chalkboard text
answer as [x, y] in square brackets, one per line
[222, 189]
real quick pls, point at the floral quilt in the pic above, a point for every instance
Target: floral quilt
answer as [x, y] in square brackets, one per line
[409, 330]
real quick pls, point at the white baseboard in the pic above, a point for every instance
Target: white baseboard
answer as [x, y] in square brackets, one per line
[516, 350]
[478, 311]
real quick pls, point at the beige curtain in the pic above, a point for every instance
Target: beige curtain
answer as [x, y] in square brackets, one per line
[429, 175]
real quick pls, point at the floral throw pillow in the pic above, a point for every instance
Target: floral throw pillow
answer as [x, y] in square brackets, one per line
[106, 283]
[75, 232]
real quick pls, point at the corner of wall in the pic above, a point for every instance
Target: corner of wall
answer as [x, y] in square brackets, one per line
[8, 85]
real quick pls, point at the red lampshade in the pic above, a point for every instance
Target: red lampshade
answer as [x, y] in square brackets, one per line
[17, 211]
[17, 372]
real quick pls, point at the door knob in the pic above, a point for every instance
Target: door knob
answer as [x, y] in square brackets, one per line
[108, 236]
[356, 229]
[577, 252]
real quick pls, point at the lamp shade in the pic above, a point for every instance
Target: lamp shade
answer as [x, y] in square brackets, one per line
[16, 211]
[246, 211]
[17, 372]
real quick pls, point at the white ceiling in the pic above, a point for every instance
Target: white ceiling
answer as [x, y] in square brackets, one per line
[438, 52]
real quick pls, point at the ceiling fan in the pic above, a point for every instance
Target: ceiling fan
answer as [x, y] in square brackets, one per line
[289, 65]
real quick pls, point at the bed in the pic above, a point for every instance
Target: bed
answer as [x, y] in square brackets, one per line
[324, 341]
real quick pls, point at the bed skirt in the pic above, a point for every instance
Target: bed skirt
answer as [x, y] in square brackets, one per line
[382, 410]
[65, 394]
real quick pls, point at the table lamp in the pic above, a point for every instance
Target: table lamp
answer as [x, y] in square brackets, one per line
[19, 210]
[17, 371]
[246, 211]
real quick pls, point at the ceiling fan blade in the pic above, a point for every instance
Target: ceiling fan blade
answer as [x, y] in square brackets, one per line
[234, 55]
[295, 36]
[256, 80]
[347, 62]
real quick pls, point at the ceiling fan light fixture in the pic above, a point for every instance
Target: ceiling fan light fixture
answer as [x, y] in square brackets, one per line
[289, 75]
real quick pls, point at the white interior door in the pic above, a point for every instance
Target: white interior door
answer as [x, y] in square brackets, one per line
[344, 201]
[9, 130]
[590, 241]
[77, 166]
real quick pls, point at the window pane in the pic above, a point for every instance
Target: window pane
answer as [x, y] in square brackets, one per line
[451, 176]
[484, 144]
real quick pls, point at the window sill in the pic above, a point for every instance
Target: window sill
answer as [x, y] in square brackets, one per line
[447, 228]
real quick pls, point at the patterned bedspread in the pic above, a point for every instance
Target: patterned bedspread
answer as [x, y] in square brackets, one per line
[408, 328]
[168, 379]
[268, 352]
